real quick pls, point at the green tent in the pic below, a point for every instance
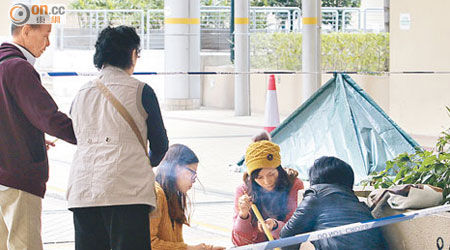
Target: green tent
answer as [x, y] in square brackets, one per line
[341, 120]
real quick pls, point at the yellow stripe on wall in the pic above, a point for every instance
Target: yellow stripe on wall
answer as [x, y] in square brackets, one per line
[241, 20]
[309, 20]
[175, 20]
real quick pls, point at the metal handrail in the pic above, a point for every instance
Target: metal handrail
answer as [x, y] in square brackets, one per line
[288, 19]
[335, 13]
[370, 10]
[349, 11]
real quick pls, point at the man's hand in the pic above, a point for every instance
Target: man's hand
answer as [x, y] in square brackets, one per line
[50, 143]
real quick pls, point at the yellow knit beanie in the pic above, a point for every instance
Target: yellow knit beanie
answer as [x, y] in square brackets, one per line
[262, 154]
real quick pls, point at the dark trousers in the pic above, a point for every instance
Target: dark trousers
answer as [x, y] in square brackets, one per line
[124, 227]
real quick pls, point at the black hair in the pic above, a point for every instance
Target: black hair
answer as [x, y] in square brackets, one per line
[115, 47]
[331, 170]
[272, 204]
[177, 155]
[263, 136]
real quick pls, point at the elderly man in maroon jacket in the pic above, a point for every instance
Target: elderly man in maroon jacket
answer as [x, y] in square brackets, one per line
[27, 111]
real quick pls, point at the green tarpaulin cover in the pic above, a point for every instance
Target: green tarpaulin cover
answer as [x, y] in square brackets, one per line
[341, 120]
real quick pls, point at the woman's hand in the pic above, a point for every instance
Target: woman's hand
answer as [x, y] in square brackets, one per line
[202, 246]
[217, 248]
[270, 223]
[211, 247]
[244, 205]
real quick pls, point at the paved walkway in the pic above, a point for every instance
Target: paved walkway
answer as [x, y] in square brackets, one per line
[218, 138]
[211, 221]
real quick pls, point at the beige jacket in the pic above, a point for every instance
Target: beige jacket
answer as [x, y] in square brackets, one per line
[109, 167]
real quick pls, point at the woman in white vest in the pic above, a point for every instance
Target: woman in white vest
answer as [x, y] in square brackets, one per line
[111, 183]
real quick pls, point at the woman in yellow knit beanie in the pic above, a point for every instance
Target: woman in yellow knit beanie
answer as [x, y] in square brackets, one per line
[268, 185]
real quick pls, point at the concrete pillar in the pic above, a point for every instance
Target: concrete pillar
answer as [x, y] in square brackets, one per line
[242, 58]
[311, 20]
[182, 53]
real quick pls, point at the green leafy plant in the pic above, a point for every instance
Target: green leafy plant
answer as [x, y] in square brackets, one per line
[331, 20]
[327, 19]
[87, 20]
[422, 167]
[367, 52]
[133, 4]
[298, 3]
[116, 4]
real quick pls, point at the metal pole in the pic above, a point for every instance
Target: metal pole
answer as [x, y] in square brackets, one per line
[194, 52]
[105, 19]
[311, 10]
[242, 60]
[142, 27]
[232, 32]
[386, 15]
[90, 30]
[148, 29]
[61, 37]
[365, 20]
[96, 22]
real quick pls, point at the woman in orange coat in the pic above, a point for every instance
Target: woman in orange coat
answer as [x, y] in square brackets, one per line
[176, 175]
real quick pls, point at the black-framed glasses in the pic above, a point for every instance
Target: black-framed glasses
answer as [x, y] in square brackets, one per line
[138, 52]
[193, 173]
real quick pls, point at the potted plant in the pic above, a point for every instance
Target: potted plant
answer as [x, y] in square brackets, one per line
[421, 167]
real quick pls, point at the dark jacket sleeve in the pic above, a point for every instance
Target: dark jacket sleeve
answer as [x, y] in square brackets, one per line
[303, 219]
[37, 104]
[156, 132]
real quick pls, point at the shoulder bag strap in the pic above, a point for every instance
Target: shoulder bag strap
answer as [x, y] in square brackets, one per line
[122, 111]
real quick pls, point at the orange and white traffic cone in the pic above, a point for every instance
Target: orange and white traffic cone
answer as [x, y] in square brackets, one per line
[271, 115]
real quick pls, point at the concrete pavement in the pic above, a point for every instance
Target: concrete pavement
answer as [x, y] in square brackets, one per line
[217, 137]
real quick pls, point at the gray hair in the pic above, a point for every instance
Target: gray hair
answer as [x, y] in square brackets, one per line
[16, 28]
